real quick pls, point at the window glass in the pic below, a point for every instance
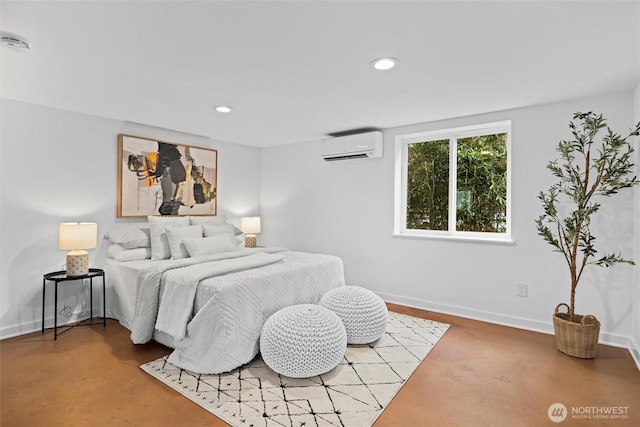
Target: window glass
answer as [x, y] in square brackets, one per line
[428, 185]
[481, 203]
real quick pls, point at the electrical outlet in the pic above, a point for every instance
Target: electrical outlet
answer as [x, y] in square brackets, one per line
[521, 290]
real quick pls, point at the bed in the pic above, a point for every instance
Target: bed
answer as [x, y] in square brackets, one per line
[210, 308]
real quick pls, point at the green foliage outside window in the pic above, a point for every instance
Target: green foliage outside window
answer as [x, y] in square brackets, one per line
[481, 184]
[428, 185]
[482, 172]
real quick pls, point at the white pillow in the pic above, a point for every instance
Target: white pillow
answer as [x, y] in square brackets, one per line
[201, 220]
[210, 245]
[159, 243]
[211, 230]
[213, 220]
[175, 235]
[121, 254]
[130, 236]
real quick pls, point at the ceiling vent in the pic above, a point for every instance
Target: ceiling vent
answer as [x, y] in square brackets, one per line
[13, 42]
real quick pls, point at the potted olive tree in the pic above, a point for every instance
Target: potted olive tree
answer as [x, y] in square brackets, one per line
[586, 172]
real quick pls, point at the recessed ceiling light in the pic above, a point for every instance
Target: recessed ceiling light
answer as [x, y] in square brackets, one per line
[14, 42]
[384, 63]
[223, 109]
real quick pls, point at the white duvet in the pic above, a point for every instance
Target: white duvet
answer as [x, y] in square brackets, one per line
[246, 287]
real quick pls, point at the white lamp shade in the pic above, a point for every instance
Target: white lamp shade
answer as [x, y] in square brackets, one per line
[250, 224]
[78, 235]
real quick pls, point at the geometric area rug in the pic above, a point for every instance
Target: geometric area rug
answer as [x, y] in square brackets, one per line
[353, 394]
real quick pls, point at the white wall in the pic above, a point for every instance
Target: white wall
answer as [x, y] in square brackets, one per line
[346, 208]
[60, 166]
[635, 337]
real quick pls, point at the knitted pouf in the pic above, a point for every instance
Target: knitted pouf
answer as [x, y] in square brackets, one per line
[363, 313]
[303, 341]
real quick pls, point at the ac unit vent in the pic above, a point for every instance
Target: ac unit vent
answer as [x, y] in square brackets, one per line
[359, 146]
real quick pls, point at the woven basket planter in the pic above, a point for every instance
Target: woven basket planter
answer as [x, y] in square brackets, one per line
[578, 338]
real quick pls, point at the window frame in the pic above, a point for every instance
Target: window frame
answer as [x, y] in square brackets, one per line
[402, 143]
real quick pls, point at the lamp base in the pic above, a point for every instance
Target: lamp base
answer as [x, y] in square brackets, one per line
[250, 241]
[77, 263]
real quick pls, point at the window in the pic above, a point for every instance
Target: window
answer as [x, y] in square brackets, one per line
[454, 183]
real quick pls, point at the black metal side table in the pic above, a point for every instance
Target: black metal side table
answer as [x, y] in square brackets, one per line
[61, 276]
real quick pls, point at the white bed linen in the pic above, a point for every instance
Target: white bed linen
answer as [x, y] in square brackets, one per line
[229, 300]
[179, 288]
[121, 280]
[121, 292]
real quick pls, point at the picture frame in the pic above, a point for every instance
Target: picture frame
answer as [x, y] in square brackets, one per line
[165, 178]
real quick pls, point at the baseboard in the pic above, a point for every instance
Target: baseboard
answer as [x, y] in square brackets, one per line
[496, 318]
[36, 325]
[634, 349]
[17, 330]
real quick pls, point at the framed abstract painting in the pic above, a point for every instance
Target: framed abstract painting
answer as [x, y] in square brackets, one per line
[165, 178]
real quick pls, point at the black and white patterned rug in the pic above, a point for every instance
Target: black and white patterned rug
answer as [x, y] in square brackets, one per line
[353, 394]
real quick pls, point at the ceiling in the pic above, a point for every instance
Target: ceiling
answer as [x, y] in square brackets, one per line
[296, 71]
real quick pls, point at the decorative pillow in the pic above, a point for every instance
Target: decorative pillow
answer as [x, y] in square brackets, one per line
[215, 229]
[130, 236]
[159, 243]
[218, 219]
[175, 236]
[213, 220]
[121, 254]
[210, 245]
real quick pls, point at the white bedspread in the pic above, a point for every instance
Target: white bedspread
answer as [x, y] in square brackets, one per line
[180, 285]
[246, 288]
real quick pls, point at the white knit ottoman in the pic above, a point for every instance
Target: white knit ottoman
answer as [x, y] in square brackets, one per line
[303, 341]
[363, 313]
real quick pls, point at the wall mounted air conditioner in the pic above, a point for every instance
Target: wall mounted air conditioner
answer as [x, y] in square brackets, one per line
[358, 146]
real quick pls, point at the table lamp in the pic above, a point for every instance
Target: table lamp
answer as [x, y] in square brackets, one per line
[250, 225]
[76, 237]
